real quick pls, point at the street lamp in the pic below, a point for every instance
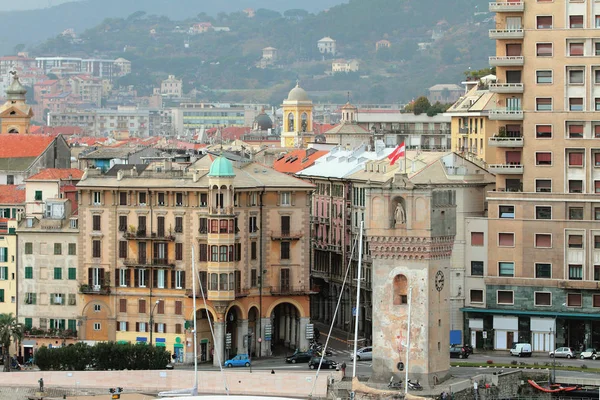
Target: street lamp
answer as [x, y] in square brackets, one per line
[152, 319]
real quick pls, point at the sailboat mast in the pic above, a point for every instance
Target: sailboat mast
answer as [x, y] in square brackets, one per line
[195, 389]
[358, 279]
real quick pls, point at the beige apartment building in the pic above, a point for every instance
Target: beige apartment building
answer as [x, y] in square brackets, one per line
[249, 226]
[543, 261]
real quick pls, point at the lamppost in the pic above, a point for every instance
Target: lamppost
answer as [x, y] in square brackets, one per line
[152, 319]
[553, 353]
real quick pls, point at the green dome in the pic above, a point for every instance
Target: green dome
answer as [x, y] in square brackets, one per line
[221, 167]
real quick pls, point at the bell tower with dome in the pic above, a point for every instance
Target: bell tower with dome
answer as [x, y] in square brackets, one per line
[15, 114]
[297, 119]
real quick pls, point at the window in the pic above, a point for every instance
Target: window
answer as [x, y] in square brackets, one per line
[573, 299]
[122, 249]
[203, 200]
[575, 272]
[544, 49]
[253, 248]
[575, 131]
[596, 186]
[597, 213]
[476, 296]
[576, 77]
[142, 275]
[505, 297]
[506, 212]
[179, 224]
[575, 241]
[141, 306]
[286, 198]
[576, 213]
[252, 225]
[3, 273]
[97, 326]
[543, 270]
[476, 238]
[477, 268]
[576, 49]
[204, 226]
[597, 104]
[122, 198]
[222, 253]
[597, 48]
[38, 195]
[123, 326]
[179, 199]
[575, 159]
[596, 159]
[57, 273]
[179, 279]
[543, 212]
[122, 223]
[543, 104]
[28, 248]
[72, 249]
[28, 272]
[285, 250]
[96, 249]
[161, 199]
[30, 298]
[56, 298]
[543, 240]
[178, 307]
[57, 249]
[96, 198]
[575, 186]
[544, 22]
[543, 299]
[400, 290]
[506, 239]
[178, 251]
[72, 273]
[597, 242]
[141, 326]
[543, 158]
[506, 268]
[575, 104]
[253, 277]
[142, 198]
[96, 222]
[576, 21]
[97, 308]
[596, 300]
[543, 76]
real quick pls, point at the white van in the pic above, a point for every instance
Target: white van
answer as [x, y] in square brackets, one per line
[521, 350]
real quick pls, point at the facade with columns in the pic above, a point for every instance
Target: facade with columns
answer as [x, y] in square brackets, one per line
[297, 119]
[249, 227]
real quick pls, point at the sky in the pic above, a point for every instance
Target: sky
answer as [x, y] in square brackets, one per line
[11, 5]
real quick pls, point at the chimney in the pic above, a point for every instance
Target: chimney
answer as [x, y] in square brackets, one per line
[119, 175]
[196, 175]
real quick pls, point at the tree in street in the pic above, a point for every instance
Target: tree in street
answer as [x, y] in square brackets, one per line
[10, 331]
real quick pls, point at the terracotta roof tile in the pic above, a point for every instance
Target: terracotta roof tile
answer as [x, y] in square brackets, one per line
[297, 160]
[57, 173]
[17, 146]
[12, 194]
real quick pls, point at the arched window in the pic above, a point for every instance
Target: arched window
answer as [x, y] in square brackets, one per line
[223, 282]
[290, 122]
[13, 130]
[304, 122]
[400, 290]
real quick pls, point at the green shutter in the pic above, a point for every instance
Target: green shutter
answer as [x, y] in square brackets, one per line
[5, 273]
[28, 323]
[1, 295]
[72, 273]
[72, 324]
[38, 195]
[28, 272]
[51, 323]
[61, 324]
[57, 273]
[3, 254]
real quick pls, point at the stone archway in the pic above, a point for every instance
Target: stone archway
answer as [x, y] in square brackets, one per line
[203, 333]
[234, 326]
[286, 331]
[253, 330]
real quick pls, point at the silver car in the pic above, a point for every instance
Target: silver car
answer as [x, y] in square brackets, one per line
[564, 352]
[366, 353]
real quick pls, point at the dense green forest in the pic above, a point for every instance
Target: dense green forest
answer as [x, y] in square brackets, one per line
[217, 61]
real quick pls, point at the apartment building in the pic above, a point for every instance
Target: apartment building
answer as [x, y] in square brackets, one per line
[249, 226]
[171, 87]
[542, 267]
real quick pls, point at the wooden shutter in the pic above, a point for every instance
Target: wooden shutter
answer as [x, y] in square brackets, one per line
[137, 326]
[127, 326]
[576, 159]
[117, 277]
[238, 251]
[122, 305]
[164, 328]
[183, 285]
[285, 224]
[101, 275]
[161, 226]
[142, 306]
[128, 277]
[160, 307]
[91, 277]
[178, 328]
[136, 277]
[178, 307]
[156, 327]
[172, 279]
[154, 278]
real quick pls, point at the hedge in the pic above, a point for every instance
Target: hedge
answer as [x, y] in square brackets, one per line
[102, 357]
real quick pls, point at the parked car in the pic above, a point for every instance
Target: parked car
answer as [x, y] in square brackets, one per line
[458, 352]
[564, 352]
[241, 360]
[590, 352]
[366, 353]
[299, 357]
[326, 364]
[521, 350]
[468, 347]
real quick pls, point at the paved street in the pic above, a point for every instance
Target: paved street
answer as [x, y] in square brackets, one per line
[541, 359]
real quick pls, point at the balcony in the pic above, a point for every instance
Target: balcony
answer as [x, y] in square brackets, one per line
[147, 262]
[286, 235]
[463, 131]
[505, 114]
[507, 6]
[506, 33]
[506, 169]
[94, 289]
[505, 141]
[290, 290]
[506, 61]
[221, 211]
[144, 235]
[506, 87]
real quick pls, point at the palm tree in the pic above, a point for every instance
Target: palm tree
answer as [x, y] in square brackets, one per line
[10, 331]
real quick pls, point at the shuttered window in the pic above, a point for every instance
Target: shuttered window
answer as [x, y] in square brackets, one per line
[575, 241]
[543, 158]
[576, 49]
[543, 240]
[544, 49]
[513, 157]
[506, 239]
[544, 22]
[513, 50]
[178, 307]
[123, 305]
[575, 131]
[477, 238]
[575, 159]
[576, 21]
[543, 131]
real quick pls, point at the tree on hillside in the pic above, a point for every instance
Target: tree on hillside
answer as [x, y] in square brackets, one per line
[136, 15]
[265, 14]
[421, 105]
[295, 13]
[10, 331]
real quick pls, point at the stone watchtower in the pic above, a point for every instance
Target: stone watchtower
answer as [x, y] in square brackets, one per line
[411, 233]
[15, 114]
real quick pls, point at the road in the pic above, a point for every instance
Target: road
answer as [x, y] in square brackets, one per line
[541, 359]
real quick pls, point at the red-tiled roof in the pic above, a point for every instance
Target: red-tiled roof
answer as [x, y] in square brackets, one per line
[319, 128]
[12, 194]
[297, 160]
[52, 174]
[56, 130]
[87, 141]
[21, 145]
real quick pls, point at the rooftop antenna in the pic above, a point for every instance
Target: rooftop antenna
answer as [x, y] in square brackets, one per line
[348, 97]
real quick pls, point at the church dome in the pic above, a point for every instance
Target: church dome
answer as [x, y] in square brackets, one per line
[263, 122]
[221, 167]
[16, 91]
[298, 94]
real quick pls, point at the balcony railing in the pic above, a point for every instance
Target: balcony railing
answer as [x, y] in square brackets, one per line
[507, 6]
[290, 289]
[506, 61]
[221, 210]
[506, 87]
[285, 235]
[149, 262]
[506, 33]
[145, 235]
[463, 131]
[506, 114]
[94, 289]
[506, 141]
[516, 169]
